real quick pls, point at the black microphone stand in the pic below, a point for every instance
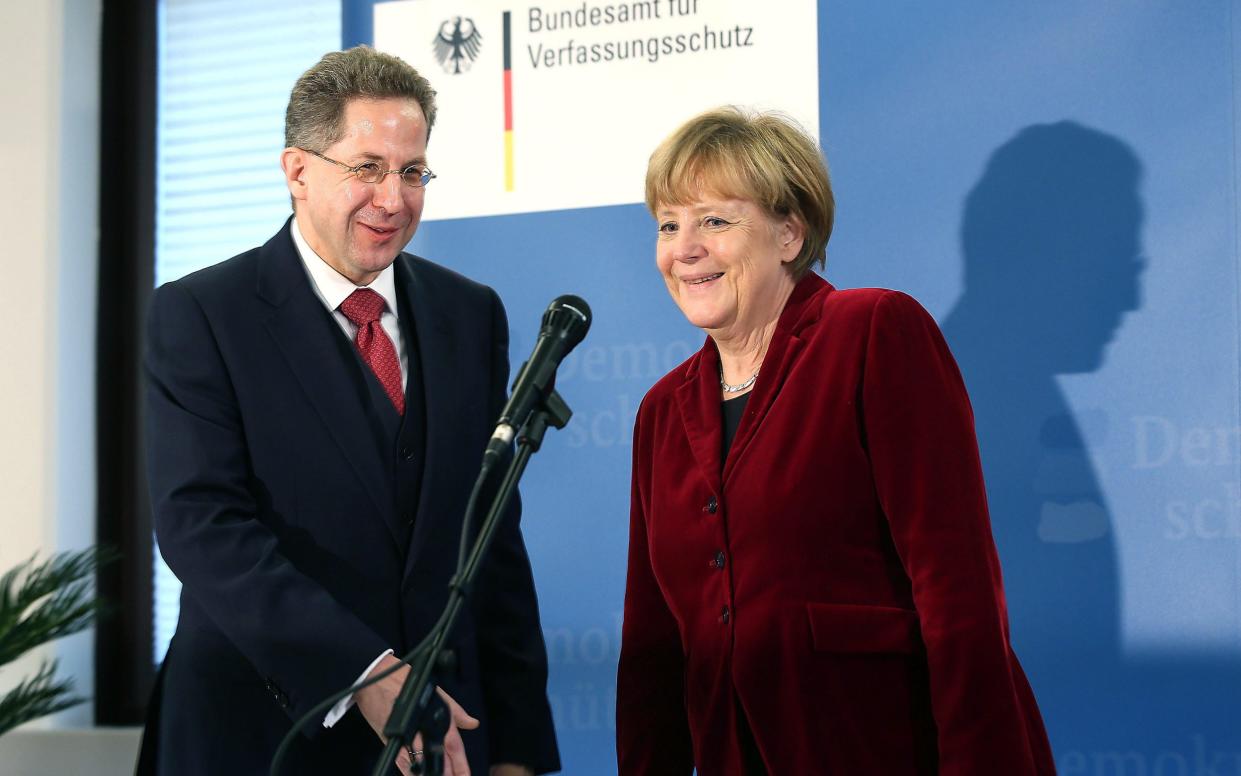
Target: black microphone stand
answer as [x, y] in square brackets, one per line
[418, 709]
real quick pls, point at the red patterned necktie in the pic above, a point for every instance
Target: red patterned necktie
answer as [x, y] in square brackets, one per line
[363, 308]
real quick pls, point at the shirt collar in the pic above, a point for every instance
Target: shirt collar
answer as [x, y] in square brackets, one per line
[330, 286]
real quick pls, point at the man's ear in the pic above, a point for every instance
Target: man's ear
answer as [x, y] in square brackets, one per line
[293, 162]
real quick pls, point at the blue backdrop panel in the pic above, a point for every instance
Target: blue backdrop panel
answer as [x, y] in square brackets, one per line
[1057, 184]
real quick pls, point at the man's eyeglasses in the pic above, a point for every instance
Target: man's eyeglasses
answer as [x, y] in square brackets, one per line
[371, 172]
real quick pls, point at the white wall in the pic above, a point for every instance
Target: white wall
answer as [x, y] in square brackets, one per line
[49, 161]
[98, 752]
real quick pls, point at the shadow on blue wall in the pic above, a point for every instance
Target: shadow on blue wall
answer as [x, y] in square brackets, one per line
[1051, 236]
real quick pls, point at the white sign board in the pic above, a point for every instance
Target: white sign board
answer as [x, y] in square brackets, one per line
[559, 105]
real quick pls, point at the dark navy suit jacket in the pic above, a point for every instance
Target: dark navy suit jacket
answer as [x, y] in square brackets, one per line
[313, 528]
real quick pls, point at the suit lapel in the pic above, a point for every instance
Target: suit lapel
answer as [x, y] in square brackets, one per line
[441, 364]
[782, 355]
[314, 347]
[699, 400]
[699, 397]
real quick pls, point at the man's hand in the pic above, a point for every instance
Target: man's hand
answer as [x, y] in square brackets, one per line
[375, 703]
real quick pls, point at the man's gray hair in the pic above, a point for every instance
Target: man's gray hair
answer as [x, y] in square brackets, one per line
[317, 103]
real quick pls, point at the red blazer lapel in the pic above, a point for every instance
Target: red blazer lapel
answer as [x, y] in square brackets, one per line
[699, 400]
[782, 355]
[699, 397]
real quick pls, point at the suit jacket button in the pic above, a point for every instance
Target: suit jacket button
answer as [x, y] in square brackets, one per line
[724, 615]
[718, 561]
[712, 505]
[407, 453]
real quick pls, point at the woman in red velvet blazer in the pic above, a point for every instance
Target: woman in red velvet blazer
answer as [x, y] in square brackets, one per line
[813, 586]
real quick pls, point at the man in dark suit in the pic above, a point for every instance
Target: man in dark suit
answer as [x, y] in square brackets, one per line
[317, 409]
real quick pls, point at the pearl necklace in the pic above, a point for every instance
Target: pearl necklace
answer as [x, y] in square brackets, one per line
[739, 386]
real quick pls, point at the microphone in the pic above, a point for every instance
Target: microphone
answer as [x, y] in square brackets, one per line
[565, 323]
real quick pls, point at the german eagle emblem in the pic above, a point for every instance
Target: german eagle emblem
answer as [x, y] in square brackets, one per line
[457, 44]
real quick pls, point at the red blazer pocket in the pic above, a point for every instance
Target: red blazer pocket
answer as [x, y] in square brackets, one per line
[872, 629]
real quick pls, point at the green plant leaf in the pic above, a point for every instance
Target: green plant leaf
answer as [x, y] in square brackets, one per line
[36, 697]
[40, 602]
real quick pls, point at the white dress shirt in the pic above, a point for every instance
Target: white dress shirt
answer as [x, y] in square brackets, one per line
[333, 288]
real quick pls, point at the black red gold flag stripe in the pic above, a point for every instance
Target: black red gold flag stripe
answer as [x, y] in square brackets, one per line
[508, 102]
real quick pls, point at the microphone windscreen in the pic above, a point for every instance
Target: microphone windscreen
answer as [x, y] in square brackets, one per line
[568, 316]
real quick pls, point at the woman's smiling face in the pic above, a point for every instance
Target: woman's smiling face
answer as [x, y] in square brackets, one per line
[724, 261]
